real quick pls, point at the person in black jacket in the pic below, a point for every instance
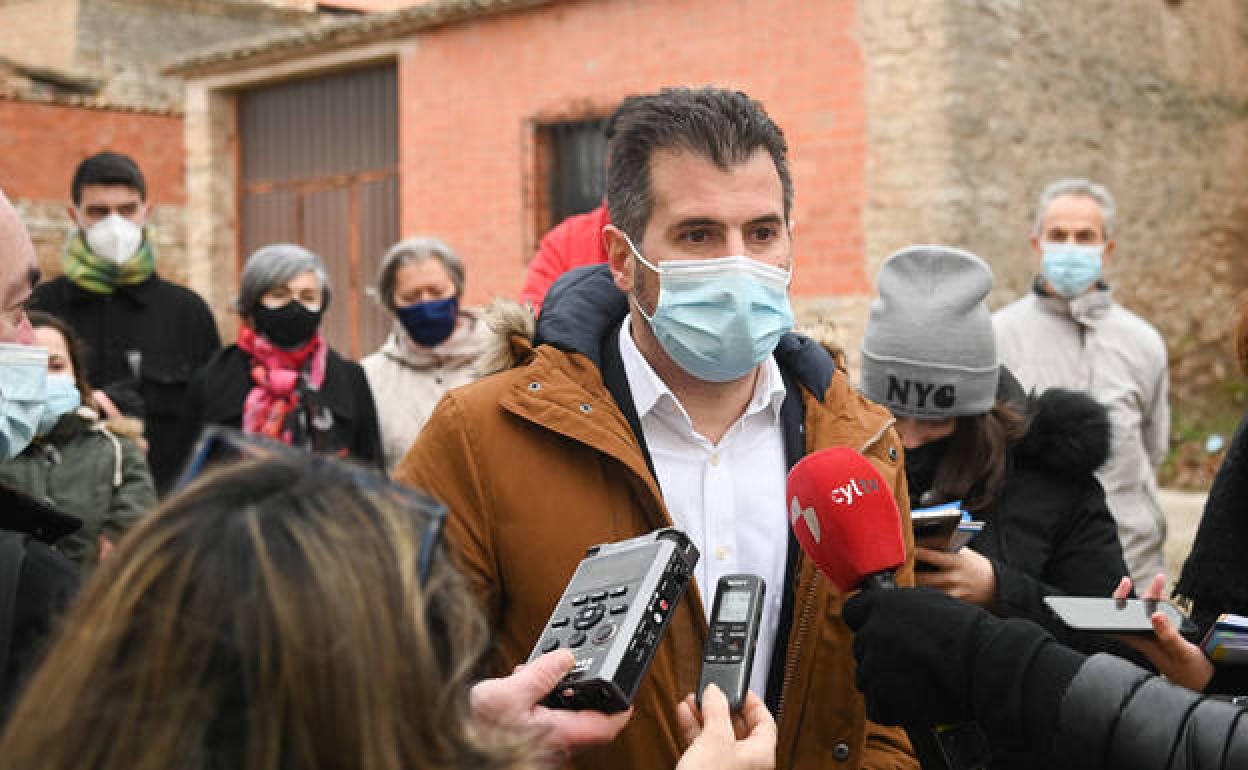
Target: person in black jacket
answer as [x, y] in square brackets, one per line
[1024, 466]
[281, 379]
[144, 336]
[924, 658]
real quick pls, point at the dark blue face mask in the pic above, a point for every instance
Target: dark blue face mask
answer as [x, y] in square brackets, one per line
[430, 323]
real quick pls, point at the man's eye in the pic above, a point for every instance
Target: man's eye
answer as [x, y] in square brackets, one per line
[698, 236]
[765, 233]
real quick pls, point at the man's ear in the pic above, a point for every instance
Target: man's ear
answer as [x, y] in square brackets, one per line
[619, 257]
[1035, 248]
[73, 216]
[1109, 249]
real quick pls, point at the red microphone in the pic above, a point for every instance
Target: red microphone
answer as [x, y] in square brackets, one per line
[845, 518]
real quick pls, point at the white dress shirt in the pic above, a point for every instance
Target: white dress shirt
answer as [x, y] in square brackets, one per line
[728, 497]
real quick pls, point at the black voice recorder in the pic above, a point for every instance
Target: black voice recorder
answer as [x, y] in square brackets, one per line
[728, 657]
[612, 616]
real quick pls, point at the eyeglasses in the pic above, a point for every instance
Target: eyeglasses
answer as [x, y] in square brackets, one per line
[219, 446]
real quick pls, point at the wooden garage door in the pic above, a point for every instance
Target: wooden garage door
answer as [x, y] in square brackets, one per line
[319, 166]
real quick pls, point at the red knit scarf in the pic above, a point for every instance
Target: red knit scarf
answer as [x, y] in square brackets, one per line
[276, 372]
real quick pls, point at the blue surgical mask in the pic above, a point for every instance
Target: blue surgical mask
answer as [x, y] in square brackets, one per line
[430, 323]
[1071, 268]
[719, 318]
[63, 398]
[23, 395]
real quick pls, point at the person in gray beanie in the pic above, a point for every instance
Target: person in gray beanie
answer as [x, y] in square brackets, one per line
[281, 379]
[1023, 465]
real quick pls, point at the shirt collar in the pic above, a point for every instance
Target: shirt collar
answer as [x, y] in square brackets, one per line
[649, 390]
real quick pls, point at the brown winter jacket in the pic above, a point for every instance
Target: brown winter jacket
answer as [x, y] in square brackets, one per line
[538, 462]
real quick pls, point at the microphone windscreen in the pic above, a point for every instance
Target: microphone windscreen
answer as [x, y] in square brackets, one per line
[844, 516]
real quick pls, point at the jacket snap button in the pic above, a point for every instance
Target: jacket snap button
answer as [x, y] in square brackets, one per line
[892, 453]
[586, 408]
[840, 752]
[535, 386]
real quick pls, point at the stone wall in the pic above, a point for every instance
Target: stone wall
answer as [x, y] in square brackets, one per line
[39, 32]
[974, 105]
[126, 42]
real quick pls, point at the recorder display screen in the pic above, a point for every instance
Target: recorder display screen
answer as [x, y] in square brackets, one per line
[734, 607]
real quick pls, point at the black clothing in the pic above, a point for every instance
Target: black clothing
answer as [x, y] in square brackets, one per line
[147, 339]
[1023, 688]
[46, 582]
[1049, 531]
[1215, 575]
[349, 428]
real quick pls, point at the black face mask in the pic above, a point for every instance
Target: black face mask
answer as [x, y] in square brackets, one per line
[288, 326]
[921, 465]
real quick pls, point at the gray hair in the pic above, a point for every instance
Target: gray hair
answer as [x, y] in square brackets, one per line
[413, 251]
[1084, 188]
[274, 265]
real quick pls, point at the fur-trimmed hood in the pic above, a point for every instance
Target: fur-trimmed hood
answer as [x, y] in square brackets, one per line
[1068, 432]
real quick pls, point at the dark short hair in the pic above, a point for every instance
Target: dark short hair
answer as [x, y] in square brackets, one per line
[73, 345]
[726, 127]
[107, 168]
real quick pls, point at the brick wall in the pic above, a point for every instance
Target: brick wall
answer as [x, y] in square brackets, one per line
[42, 144]
[578, 59]
[974, 107]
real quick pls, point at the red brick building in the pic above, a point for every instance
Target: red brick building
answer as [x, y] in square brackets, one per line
[481, 94]
[908, 122]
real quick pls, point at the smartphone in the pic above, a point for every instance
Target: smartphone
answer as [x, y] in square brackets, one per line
[1115, 616]
[728, 656]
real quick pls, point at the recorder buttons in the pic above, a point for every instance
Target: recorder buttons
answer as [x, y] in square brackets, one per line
[619, 609]
[603, 633]
[559, 622]
[551, 643]
[579, 599]
[588, 617]
[619, 591]
[577, 639]
[597, 596]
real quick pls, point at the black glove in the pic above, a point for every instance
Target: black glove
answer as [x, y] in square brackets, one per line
[927, 659]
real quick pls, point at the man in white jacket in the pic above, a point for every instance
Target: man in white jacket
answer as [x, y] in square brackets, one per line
[1068, 332]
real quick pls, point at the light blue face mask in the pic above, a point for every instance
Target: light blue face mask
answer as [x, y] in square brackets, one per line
[63, 398]
[1071, 268]
[23, 395]
[719, 318]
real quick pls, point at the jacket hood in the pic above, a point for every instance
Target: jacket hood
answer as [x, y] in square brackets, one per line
[585, 304]
[1068, 432]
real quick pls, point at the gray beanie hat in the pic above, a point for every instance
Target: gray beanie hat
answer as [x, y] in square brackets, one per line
[929, 350]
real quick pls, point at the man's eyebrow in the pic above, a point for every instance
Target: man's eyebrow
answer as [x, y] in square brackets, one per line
[698, 222]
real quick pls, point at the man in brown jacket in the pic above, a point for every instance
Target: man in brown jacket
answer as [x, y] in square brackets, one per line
[664, 389]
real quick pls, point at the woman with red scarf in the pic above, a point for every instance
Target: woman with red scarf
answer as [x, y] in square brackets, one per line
[280, 379]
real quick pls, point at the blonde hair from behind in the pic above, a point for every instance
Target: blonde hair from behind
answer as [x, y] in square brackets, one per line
[269, 617]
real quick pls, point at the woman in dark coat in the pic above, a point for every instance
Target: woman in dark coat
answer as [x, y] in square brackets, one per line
[1024, 466]
[281, 379]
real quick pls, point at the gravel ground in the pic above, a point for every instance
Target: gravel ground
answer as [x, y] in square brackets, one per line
[1183, 511]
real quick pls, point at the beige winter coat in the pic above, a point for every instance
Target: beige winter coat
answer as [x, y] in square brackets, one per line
[1095, 345]
[408, 380]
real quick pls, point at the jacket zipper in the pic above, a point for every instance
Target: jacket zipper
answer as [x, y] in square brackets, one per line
[790, 663]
